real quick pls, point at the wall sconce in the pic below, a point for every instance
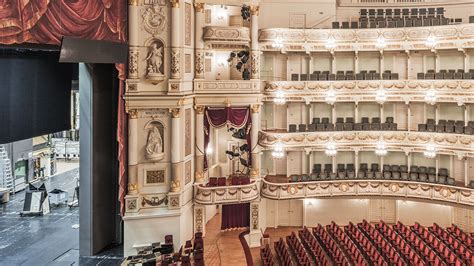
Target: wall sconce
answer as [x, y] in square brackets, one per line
[277, 43]
[330, 97]
[330, 43]
[430, 97]
[331, 150]
[381, 43]
[278, 150]
[380, 97]
[431, 42]
[209, 150]
[279, 97]
[430, 151]
[222, 12]
[380, 149]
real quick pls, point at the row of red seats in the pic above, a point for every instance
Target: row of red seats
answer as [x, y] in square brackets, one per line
[387, 249]
[311, 243]
[460, 248]
[430, 254]
[464, 237]
[298, 249]
[222, 181]
[403, 246]
[369, 248]
[439, 245]
[334, 250]
[266, 256]
[350, 248]
[282, 253]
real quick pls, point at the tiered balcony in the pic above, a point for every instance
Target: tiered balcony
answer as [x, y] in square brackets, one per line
[405, 141]
[226, 36]
[455, 91]
[350, 40]
[279, 189]
[208, 195]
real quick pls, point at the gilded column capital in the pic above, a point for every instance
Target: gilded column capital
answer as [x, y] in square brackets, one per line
[174, 3]
[254, 10]
[200, 109]
[133, 113]
[199, 7]
[133, 2]
[175, 112]
[255, 108]
[132, 188]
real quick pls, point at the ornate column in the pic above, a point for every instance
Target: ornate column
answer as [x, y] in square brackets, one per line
[200, 219]
[176, 149]
[175, 40]
[131, 199]
[255, 150]
[255, 52]
[199, 42]
[199, 131]
[133, 42]
[255, 232]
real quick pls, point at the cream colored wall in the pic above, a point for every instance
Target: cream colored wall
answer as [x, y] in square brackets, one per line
[345, 157]
[398, 158]
[451, 111]
[368, 110]
[424, 213]
[344, 61]
[322, 110]
[341, 211]
[369, 61]
[345, 110]
[294, 163]
[321, 61]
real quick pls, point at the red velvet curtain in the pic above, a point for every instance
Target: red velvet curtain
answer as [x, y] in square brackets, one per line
[235, 216]
[47, 21]
[122, 137]
[235, 117]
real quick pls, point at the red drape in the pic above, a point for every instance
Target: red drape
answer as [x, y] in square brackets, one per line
[235, 117]
[122, 137]
[235, 216]
[46, 21]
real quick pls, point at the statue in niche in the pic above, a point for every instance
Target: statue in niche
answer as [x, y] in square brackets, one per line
[154, 145]
[154, 60]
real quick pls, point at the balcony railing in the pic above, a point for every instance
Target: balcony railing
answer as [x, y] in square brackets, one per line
[226, 194]
[456, 91]
[364, 188]
[227, 86]
[396, 39]
[218, 35]
[404, 141]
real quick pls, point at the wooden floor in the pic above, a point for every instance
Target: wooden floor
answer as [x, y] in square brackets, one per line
[224, 248]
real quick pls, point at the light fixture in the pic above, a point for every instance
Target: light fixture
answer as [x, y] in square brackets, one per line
[222, 12]
[430, 97]
[278, 151]
[380, 96]
[330, 43]
[209, 150]
[381, 43]
[331, 150]
[279, 97]
[431, 42]
[277, 43]
[380, 149]
[330, 97]
[430, 151]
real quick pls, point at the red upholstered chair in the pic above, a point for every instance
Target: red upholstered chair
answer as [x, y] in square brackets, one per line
[198, 235]
[235, 181]
[245, 180]
[169, 239]
[212, 182]
[185, 261]
[221, 181]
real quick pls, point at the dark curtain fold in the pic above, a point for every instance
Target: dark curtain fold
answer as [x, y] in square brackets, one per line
[45, 21]
[122, 138]
[235, 216]
[232, 117]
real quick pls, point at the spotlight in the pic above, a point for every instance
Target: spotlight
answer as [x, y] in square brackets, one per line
[280, 98]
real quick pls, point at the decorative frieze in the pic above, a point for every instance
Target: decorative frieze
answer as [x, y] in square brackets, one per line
[133, 64]
[131, 204]
[175, 63]
[226, 194]
[154, 201]
[451, 144]
[222, 34]
[155, 20]
[199, 64]
[255, 64]
[388, 188]
[227, 86]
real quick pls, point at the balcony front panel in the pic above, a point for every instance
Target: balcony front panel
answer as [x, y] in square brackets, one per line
[363, 188]
[227, 86]
[456, 91]
[406, 141]
[226, 194]
[216, 36]
[414, 38]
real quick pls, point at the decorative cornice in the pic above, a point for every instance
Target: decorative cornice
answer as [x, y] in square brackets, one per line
[175, 112]
[227, 86]
[226, 34]
[174, 3]
[226, 194]
[255, 108]
[254, 10]
[199, 7]
[199, 109]
[133, 2]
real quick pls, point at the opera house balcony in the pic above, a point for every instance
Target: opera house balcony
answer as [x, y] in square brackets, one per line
[223, 191]
[226, 36]
[279, 187]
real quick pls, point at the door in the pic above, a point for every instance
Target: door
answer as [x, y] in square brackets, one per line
[401, 117]
[283, 212]
[416, 115]
[400, 65]
[375, 210]
[462, 218]
[296, 213]
[270, 211]
[458, 171]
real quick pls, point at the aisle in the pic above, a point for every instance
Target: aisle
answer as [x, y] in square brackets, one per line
[222, 248]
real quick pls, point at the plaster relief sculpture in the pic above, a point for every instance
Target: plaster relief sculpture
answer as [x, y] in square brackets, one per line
[154, 19]
[154, 145]
[154, 59]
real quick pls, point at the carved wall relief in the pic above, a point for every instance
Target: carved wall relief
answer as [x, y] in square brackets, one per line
[175, 63]
[133, 64]
[154, 60]
[187, 63]
[187, 172]
[154, 149]
[154, 19]
[187, 24]
[187, 132]
[155, 177]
